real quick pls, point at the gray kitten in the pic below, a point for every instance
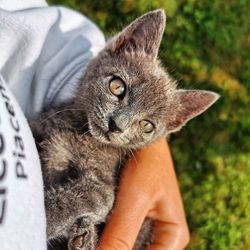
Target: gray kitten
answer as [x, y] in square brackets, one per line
[125, 101]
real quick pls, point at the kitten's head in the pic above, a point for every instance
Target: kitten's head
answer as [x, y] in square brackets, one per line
[131, 99]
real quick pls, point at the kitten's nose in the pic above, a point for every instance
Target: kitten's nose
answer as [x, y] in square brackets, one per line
[113, 126]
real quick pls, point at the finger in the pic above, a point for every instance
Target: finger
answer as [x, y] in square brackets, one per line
[170, 236]
[171, 230]
[131, 207]
[121, 231]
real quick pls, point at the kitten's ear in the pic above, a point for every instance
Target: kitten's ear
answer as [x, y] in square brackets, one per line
[190, 104]
[144, 34]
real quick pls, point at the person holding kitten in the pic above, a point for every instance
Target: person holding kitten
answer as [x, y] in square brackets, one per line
[41, 43]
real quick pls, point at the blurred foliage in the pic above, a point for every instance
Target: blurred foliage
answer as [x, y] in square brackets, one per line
[206, 45]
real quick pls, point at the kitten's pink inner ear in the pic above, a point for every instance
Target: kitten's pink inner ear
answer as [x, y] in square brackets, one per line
[189, 104]
[143, 35]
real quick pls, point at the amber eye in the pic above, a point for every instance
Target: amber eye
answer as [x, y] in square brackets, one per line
[117, 87]
[146, 126]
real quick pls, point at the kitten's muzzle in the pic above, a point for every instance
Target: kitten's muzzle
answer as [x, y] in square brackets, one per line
[113, 127]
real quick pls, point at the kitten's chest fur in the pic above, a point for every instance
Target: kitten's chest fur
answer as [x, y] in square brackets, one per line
[80, 176]
[80, 173]
[68, 151]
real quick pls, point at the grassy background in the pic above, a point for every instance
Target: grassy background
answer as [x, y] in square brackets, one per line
[206, 45]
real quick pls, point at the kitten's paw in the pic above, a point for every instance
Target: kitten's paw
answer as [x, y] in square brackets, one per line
[76, 241]
[82, 235]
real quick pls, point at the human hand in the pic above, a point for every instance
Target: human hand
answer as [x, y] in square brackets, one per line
[148, 188]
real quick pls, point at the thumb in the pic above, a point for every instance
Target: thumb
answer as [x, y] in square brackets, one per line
[130, 210]
[120, 233]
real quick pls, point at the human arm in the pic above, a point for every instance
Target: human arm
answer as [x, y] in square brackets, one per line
[149, 188]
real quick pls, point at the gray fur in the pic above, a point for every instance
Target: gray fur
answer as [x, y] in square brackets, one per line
[81, 155]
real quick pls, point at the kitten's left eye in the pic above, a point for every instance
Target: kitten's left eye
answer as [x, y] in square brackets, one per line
[146, 126]
[117, 87]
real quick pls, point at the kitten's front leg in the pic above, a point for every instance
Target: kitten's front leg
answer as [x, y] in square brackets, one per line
[79, 177]
[84, 206]
[66, 204]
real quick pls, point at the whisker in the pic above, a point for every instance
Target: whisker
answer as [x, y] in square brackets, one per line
[120, 158]
[58, 112]
[49, 243]
[86, 132]
[87, 123]
[133, 155]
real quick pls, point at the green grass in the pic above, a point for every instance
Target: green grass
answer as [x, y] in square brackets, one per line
[206, 45]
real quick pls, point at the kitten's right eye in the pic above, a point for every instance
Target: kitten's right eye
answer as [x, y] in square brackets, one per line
[117, 87]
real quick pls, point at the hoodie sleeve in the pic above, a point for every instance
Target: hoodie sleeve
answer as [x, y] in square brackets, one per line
[43, 51]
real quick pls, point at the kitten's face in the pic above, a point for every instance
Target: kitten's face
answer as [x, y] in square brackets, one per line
[128, 105]
[131, 99]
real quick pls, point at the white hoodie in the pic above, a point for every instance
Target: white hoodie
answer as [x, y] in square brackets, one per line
[43, 50]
